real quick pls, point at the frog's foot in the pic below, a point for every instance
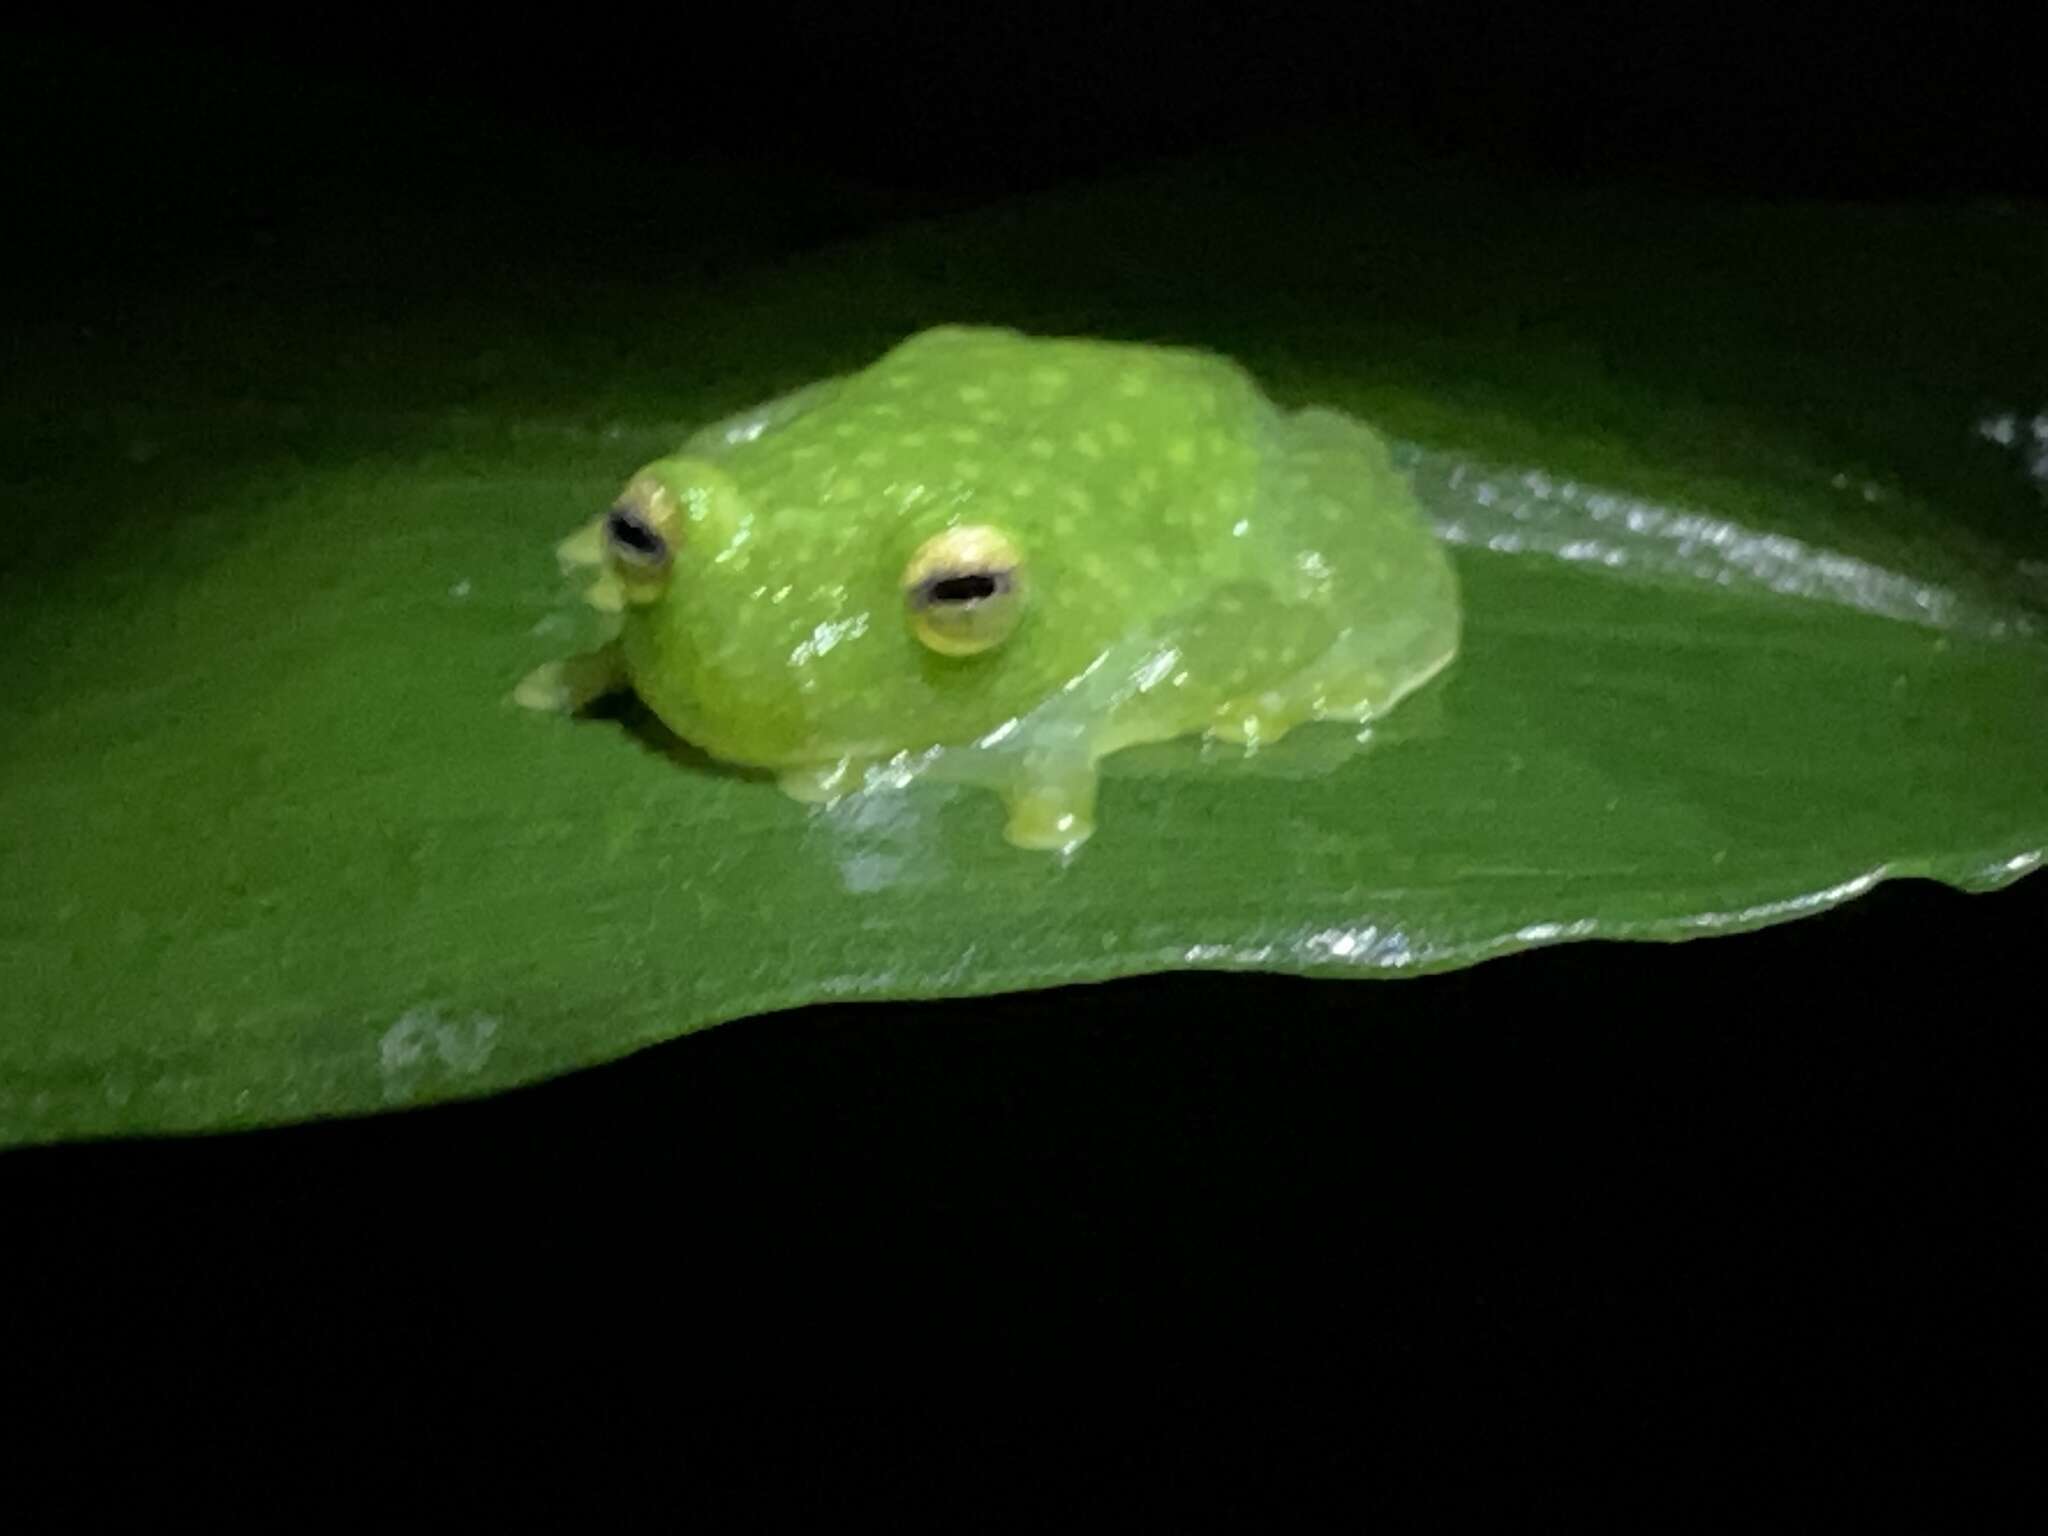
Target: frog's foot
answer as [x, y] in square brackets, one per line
[582, 554]
[607, 594]
[820, 783]
[1343, 690]
[583, 549]
[1052, 811]
[1256, 720]
[571, 686]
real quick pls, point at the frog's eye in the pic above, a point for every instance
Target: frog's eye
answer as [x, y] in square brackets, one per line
[963, 590]
[633, 540]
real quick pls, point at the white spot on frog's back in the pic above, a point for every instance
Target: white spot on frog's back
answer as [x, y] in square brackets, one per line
[427, 1043]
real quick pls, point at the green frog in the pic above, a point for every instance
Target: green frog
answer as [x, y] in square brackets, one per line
[998, 558]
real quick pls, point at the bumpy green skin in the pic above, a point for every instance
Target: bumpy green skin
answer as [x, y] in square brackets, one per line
[1196, 558]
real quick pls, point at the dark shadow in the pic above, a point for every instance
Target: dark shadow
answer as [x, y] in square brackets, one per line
[629, 712]
[1723, 1134]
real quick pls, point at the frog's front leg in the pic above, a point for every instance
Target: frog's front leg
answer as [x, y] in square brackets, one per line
[820, 783]
[1051, 801]
[1049, 797]
[584, 549]
[572, 686]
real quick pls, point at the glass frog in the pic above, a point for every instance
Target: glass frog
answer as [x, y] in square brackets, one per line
[997, 558]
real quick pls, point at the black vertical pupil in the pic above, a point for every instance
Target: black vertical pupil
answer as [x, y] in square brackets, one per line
[626, 529]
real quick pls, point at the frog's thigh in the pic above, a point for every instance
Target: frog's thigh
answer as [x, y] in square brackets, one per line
[1239, 656]
[1398, 594]
[1347, 685]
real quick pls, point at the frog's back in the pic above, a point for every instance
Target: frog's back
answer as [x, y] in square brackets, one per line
[1194, 488]
[1106, 456]
[1139, 481]
[1128, 473]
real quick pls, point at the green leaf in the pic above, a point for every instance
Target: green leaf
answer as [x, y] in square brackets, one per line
[1748, 507]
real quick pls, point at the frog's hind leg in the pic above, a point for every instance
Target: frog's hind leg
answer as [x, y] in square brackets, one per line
[1348, 683]
[1248, 649]
[1398, 623]
[1272, 663]
[571, 686]
[1341, 687]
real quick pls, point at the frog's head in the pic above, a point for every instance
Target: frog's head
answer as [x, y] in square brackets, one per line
[800, 638]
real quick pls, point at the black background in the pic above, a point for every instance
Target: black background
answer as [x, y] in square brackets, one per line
[1596, 1170]
[155, 142]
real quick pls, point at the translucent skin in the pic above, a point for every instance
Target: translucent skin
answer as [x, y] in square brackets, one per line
[1195, 560]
